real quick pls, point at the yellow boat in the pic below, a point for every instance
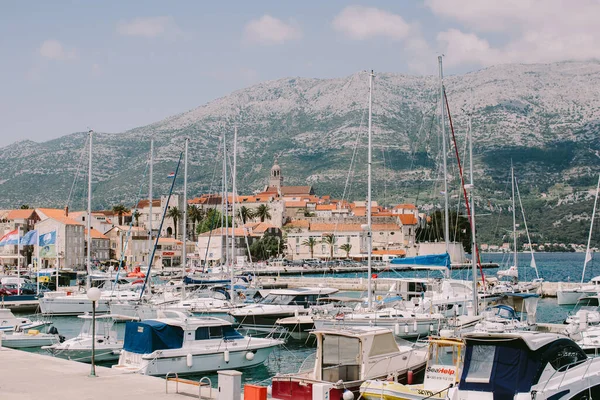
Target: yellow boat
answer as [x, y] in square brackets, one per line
[444, 365]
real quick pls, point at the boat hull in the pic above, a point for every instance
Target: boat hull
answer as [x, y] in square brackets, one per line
[378, 390]
[401, 328]
[27, 341]
[72, 306]
[102, 353]
[567, 297]
[201, 363]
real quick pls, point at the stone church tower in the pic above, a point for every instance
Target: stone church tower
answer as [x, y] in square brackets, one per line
[276, 179]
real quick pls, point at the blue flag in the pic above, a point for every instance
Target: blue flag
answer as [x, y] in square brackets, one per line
[47, 238]
[29, 238]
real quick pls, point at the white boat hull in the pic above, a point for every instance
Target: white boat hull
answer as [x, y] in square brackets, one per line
[570, 297]
[402, 328]
[22, 341]
[102, 353]
[71, 306]
[201, 363]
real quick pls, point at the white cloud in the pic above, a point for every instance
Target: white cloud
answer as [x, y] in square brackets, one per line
[268, 30]
[531, 30]
[149, 27]
[54, 50]
[360, 23]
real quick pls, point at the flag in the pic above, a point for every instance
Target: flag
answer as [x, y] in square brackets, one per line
[588, 257]
[47, 238]
[171, 175]
[47, 243]
[29, 239]
[533, 264]
[11, 237]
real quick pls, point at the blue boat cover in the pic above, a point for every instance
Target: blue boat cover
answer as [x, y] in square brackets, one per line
[431, 260]
[147, 336]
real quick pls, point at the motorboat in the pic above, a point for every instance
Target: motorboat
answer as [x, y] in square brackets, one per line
[179, 343]
[525, 365]
[9, 323]
[586, 310]
[107, 345]
[30, 338]
[568, 296]
[280, 303]
[345, 358]
[404, 324]
[69, 303]
[444, 364]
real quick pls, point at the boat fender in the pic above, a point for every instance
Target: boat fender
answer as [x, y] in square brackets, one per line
[189, 360]
[415, 325]
[226, 355]
[397, 329]
[405, 328]
[269, 390]
[296, 313]
[348, 395]
[250, 356]
[409, 377]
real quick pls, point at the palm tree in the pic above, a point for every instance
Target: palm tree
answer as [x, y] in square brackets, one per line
[120, 209]
[246, 214]
[262, 212]
[194, 214]
[346, 247]
[136, 216]
[311, 242]
[329, 239]
[175, 214]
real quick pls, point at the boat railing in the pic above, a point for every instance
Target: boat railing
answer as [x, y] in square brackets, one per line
[565, 368]
[308, 361]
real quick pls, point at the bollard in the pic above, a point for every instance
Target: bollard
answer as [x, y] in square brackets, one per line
[230, 385]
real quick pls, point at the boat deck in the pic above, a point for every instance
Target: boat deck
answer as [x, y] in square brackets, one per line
[33, 376]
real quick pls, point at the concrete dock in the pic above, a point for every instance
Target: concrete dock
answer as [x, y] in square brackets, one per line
[32, 376]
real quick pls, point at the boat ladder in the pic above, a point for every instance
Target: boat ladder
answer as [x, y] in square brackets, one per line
[204, 381]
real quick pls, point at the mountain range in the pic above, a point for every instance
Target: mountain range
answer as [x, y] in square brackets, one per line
[545, 118]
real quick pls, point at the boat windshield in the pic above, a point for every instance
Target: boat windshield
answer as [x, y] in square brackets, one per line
[102, 327]
[277, 299]
[590, 304]
[445, 353]
[341, 358]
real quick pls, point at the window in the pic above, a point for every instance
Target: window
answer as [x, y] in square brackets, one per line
[482, 361]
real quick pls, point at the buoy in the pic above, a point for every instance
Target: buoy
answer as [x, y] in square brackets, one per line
[348, 395]
[415, 325]
[249, 356]
[405, 328]
[409, 377]
[226, 355]
[189, 360]
[397, 329]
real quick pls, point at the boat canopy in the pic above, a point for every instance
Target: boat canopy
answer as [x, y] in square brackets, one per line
[148, 336]
[430, 260]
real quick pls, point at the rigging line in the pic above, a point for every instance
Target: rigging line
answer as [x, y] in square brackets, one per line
[213, 186]
[78, 170]
[458, 204]
[462, 179]
[500, 211]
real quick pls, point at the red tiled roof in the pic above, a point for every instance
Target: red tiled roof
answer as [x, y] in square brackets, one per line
[405, 206]
[295, 204]
[407, 219]
[297, 223]
[95, 234]
[390, 252]
[326, 207]
[20, 214]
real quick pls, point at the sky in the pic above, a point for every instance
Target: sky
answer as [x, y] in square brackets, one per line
[70, 66]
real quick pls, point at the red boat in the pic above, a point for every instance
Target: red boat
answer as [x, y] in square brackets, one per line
[345, 358]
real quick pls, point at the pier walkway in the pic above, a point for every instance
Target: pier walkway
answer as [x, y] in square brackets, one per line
[32, 376]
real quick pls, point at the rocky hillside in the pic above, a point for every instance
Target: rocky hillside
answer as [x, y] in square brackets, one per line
[544, 117]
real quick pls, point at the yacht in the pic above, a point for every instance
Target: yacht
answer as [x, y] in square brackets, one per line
[280, 303]
[568, 296]
[444, 365]
[68, 303]
[29, 338]
[107, 345]
[525, 365]
[344, 359]
[179, 343]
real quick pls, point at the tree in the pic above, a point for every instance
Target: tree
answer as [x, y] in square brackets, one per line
[136, 216]
[175, 214]
[460, 229]
[329, 239]
[194, 214]
[262, 212]
[346, 247]
[311, 242]
[24, 206]
[245, 214]
[267, 246]
[120, 209]
[212, 220]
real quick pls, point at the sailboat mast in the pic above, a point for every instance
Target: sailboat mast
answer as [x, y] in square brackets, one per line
[512, 175]
[473, 236]
[234, 190]
[369, 223]
[225, 224]
[588, 256]
[185, 218]
[89, 216]
[442, 123]
[150, 199]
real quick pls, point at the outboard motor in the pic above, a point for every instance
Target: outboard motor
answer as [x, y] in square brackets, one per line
[52, 330]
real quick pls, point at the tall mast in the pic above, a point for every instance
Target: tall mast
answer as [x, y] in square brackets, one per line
[150, 200]
[473, 238]
[185, 216]
[369, 224]
[512, 175]
[225, 201]
[234, 190]
[89, 216]
[442, 123]
[588, 255]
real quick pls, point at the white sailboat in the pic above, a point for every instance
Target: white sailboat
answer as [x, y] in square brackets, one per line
[571, 295]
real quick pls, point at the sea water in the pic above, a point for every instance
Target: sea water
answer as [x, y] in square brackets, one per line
[290, 357]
